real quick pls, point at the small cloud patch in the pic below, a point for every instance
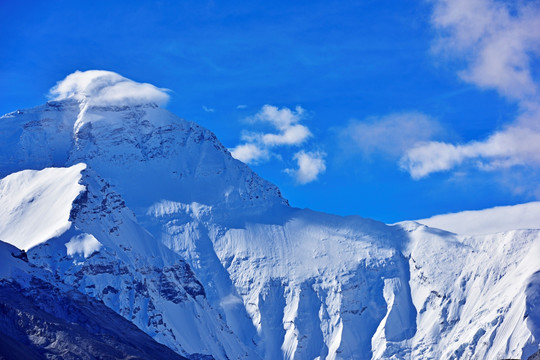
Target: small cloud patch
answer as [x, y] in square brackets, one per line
[250, 153]
[310, 165]
[83, 244]
[259, 147]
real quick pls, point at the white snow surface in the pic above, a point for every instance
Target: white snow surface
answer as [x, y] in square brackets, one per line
[349, 288]
[207, 257]
[488, 221]
[144, 143]
[35, 205]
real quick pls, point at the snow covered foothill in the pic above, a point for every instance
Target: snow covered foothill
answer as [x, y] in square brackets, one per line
[44, 318]
[404, 292]
[488, 221]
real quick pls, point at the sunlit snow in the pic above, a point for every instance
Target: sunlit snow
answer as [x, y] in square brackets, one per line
[35, 205]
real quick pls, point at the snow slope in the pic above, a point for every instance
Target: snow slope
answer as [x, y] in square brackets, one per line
[29, 195]
[350, 288]
[489, 221]
[473, 293]
[202, 254]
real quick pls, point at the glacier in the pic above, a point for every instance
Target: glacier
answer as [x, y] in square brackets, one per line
[150, 214]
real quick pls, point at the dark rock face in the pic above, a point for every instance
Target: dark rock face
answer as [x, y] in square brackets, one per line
[179, 274]
[43, 322]
[535, 356]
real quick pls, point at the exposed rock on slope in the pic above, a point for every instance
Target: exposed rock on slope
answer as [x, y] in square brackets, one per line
[40, 320]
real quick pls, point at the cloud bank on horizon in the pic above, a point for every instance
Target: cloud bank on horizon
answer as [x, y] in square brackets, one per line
[500, 43]
[104, 88]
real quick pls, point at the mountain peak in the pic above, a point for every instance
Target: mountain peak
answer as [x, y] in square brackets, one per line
[128, 141]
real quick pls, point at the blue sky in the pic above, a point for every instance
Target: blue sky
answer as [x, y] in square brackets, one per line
[393, 109]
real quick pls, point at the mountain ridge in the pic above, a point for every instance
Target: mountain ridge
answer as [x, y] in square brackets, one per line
[187, 232]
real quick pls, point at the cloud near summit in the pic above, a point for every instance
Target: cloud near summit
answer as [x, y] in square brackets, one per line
[102, 88]
[258, 147]
[286, 122]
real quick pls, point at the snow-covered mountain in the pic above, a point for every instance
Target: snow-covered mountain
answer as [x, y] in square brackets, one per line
[149, 213]
[75, 226]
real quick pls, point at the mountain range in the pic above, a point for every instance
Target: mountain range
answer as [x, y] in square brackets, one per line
[144, 237]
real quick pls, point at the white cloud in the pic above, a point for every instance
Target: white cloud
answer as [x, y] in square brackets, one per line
[241, 106]
[102, 88]
[250, 153]
[258, 144]
[286, 121]
[208, 109]
[280, 118]
[83, 244]
[513, 146]
[293, 135]
[310, 165]
[391, 135]
[499, 41]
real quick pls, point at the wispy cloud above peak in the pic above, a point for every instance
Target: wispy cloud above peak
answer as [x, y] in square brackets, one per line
[102, 88]
[289, 133]
[259, 147]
